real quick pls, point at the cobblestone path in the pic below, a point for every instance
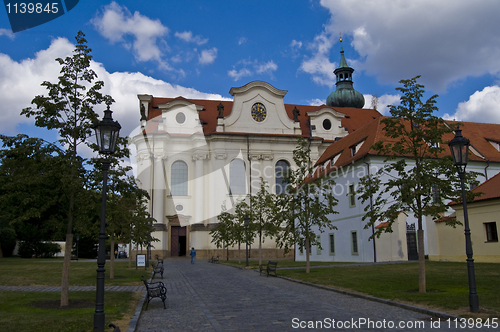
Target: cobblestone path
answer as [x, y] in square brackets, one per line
[214, 297]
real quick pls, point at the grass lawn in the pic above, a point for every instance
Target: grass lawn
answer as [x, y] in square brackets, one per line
[39, 311]
[16, 271]
[254, 264]
[34, 311]
[447, 284]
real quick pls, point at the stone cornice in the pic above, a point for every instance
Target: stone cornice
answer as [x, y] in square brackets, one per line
[260, 84]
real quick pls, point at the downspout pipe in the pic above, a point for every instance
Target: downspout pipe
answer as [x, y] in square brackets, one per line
[485, 171]
[371, 209]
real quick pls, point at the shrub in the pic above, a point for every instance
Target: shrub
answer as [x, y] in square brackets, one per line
[7, 241]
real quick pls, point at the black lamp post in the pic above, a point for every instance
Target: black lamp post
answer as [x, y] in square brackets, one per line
[148, 249]
[106, 132]
[247, 218]
[459, 147]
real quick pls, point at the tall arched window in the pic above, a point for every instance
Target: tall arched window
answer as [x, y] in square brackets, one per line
[280, 169]
[179, 179]
[237, 182]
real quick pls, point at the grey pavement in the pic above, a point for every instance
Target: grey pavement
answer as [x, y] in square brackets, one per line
[216, 297]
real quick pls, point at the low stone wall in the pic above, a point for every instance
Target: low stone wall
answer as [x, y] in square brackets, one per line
[222, 253]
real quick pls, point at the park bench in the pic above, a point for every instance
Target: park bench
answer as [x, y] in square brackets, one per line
[158, 268]
[115, 328]
[214, 260]
[269, 269]
[155, 289]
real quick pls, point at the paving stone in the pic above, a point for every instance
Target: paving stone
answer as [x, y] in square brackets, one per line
[215, 297]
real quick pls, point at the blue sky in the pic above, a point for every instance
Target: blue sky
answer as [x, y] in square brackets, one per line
[200, 49]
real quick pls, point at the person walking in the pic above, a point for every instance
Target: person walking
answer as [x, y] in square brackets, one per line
[193, 255]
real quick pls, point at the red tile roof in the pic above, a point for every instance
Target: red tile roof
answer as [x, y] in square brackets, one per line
[478, 133]
[354, 118]
[490, 189]
[445, 219]
[383, 225]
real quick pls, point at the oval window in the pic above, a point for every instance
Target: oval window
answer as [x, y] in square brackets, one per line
[180, 118]
[327, 124]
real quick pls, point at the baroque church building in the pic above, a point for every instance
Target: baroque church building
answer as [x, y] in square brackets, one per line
[198, 157]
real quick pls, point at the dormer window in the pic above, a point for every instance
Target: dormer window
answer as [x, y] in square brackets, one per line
[334, 159]
[327, 124]
[180, 118]
[355, 148]
[496, 145]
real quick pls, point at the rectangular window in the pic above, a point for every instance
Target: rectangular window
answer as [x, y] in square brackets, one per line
[332, 243]
[318, 245]
[352, 196]
[354, 242]
[491, 231]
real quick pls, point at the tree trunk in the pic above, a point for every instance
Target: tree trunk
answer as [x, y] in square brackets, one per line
[308, 266]
[239, 252]
[69, 235]
[130, 254]
[421, 261]
[65, 272]
[260, 249]
[112, 258]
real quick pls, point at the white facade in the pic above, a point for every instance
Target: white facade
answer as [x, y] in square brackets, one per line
[390, 246]
[190, 174]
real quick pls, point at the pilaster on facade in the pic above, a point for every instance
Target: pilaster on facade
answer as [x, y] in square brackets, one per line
[201, 156]
[220, 156]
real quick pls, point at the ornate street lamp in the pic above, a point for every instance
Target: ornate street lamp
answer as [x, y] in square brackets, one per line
[106, 132]
[247, 218]
[459, 147]
[148, 249]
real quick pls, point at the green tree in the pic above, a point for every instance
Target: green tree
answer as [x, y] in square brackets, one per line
[230, 228]
[68, 108]
[32, 198]
[305, 206]
[417, 170]
[222, 234]
[262, 206]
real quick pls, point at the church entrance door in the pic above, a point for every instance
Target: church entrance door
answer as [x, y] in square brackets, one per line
[178, 241]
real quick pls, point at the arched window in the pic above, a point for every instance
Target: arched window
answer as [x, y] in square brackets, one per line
[179, 179]
[280, 169]
[237, 183]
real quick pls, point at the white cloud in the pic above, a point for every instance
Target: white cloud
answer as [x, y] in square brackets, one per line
[443, 41]
[20, 82]
[266, 68]
[383, 102]
[319, 65]
[482, 106]
[253, 67]
[316, 102]
[237, 74]
[116, 23]
[207, 56]
[296, 44]
[242, 40]
[188, 37]
[7, 32]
